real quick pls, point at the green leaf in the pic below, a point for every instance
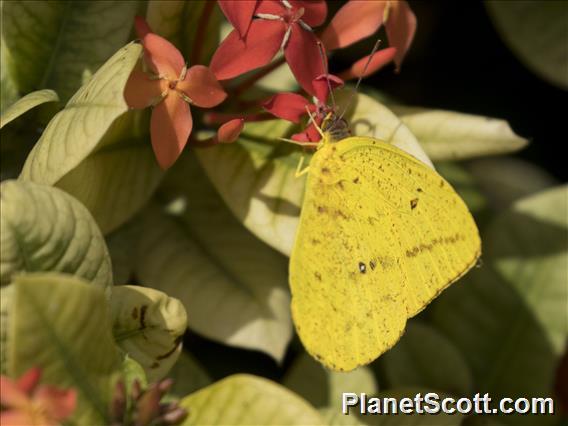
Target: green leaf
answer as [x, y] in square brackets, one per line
[507, 179]
[8, 89]
[60, 44]
[334, 417]
[26, 103]
[536, 33]
[6, 298]
[62, 324]
[148, 325]
[465, 185]
[425, 358]
[189, 376]
[95, 151]
[256, 178]
[233, 286]
[509, 318]
[45, 229]
[324, 388]
[248, 400]
[414, 419]
[179, 22]
[448, 135]
[121, 245]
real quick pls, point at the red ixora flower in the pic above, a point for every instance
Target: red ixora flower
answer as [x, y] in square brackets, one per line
[277, 24]
[292, 107]
[24, 402]
[170, 87]
[359, 19]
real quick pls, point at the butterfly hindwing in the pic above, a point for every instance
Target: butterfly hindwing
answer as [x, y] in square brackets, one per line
[380, 235]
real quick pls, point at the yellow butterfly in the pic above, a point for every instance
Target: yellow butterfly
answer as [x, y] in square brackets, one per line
[380, 236]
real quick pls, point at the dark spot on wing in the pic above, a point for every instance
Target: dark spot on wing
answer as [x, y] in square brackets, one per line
[317, 275]
[441, 183]
[340, 184]
[315, 241]
[362, 267]
[325, 170]
[413, 203]
[356, 180]
[419, 189]
[452, 239]
[372, 265]
[322, 209]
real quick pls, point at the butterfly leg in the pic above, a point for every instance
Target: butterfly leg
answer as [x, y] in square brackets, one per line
[299, 171]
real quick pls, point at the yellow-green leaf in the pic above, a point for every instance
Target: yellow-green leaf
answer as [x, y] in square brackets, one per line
[425, 358]
[234, 287]
[148, 325]
[23, 105]
[324, 388]
[509, 317]
[62, 325]
[60, 44]
[248, 400]
[536, 33]
[449, 135]
[45, 229]
[95, 151]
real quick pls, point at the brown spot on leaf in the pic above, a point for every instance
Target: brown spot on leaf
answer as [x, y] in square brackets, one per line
[135, 313]
[172, 350]
[143, 310]
[155, 365]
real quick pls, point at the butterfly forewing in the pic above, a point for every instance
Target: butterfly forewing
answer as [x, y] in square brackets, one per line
[380, 235]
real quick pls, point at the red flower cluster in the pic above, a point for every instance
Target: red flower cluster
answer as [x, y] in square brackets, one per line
[261, 29]
[25, 402]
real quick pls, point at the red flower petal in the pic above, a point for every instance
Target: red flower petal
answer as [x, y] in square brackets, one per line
[356, 20]
[229, 132]
[303, 57]
[141, 91]
[322, 86]
[271, 7]
[201, 86]
[400, 26]
[379, 60]
[170, 128]
[141, 26]
[310, 134]
[162, 56]
[235, 56]
[315, 11]
[239, 13]
[29, 380]
[288, 106]
[57, 404]
[12, 396]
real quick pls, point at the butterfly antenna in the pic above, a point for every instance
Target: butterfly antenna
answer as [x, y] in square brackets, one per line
[350, 101]
[323, 57]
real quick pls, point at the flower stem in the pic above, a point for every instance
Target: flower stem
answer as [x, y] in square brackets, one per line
[221, 117]
[200, 33]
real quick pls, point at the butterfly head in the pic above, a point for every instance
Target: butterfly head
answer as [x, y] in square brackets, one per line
[334, 127]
